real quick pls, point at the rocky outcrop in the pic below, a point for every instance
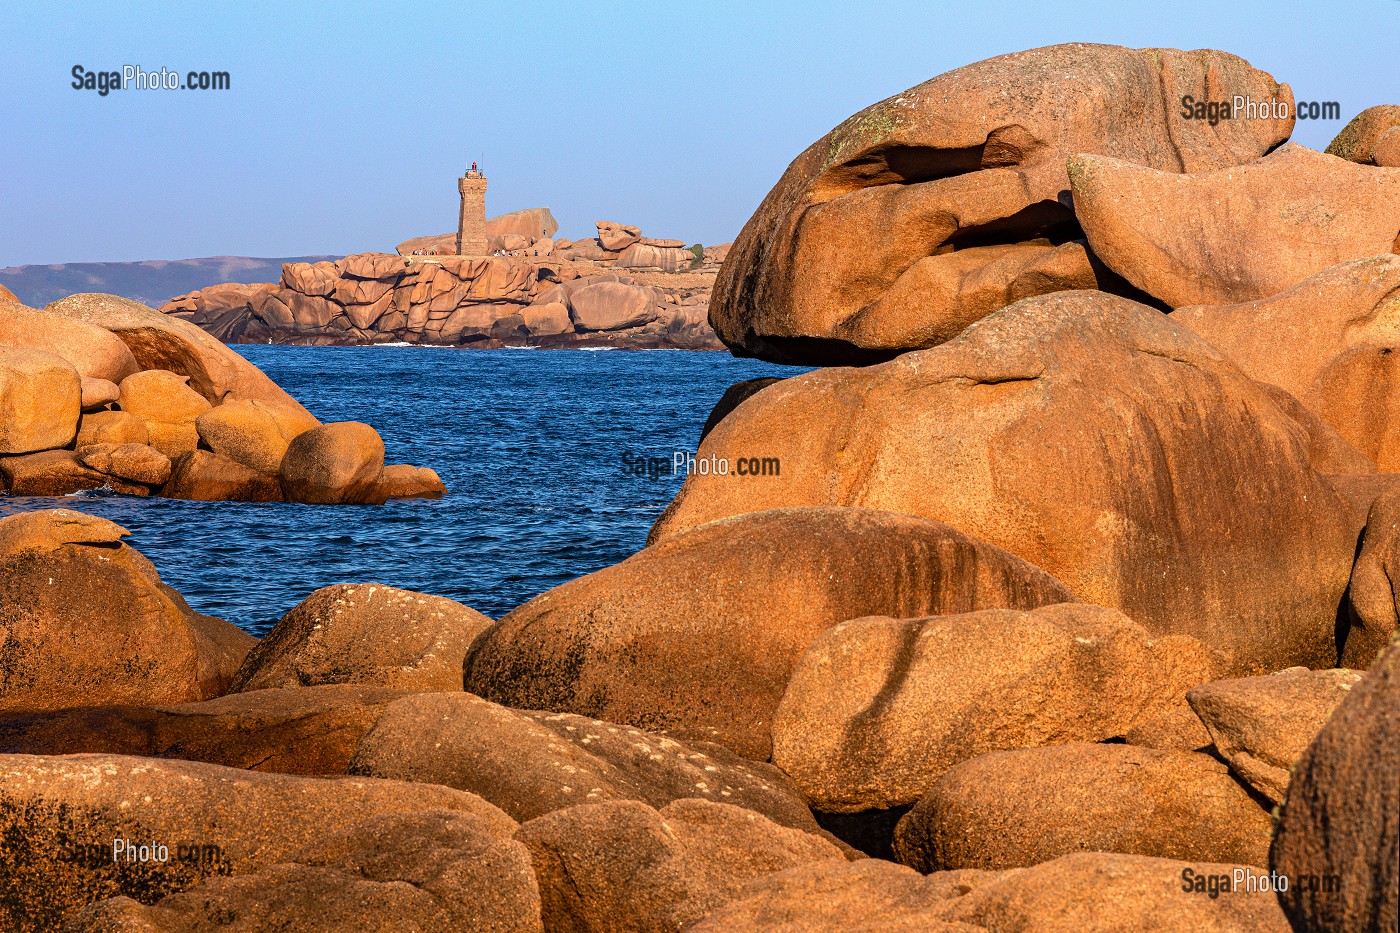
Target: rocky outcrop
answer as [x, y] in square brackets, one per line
[100, 392]
[1238, 233]
[511, 299]
[85, 620]
[699, 635]
[1373, 604]
[878, 709]
[926, 211]
[61, 816]
[1089, 892]
[1368, 138]
[1064, 429]
[1342, 325]
[530, 763]
[1020, 808]
[1339, 832]
[365, 634]
[436, 871]
[626, 867]
[304, 730]
[1262, 725]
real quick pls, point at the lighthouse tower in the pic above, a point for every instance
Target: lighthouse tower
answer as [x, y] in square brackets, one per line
[471, 222]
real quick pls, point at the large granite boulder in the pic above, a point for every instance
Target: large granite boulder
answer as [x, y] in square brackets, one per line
[698, 636]
[40, 401]
[1373, 605]
[334, 464]
[94, 352]
[1262, 725]
[161, 341]
[1339, 834]
[1019, 808]
[533, 223]
[530, 763]
[168, 406]
[1088, 892]
[1360, 139]
[438, 871]
[1342, 327]
[625, 867]
[878, 709]
[926, 211]
[1089, 435]
[62, 818]
[85, 620]
[293, 730]
[253, 433]
[1238, 233]
[368, 634]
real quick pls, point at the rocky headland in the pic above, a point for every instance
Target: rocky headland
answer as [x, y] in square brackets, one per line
[1071, 609]
[99, 392]
[618, 289]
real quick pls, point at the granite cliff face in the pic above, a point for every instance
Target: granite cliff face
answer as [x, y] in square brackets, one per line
[618, 289]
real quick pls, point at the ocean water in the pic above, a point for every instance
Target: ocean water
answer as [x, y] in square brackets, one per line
[529, 442]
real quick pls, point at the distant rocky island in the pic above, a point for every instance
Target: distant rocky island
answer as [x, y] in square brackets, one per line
[528, 288]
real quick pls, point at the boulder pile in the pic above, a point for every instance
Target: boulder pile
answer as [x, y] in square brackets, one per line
[98, 391]
[1071, 608]
[618, 289]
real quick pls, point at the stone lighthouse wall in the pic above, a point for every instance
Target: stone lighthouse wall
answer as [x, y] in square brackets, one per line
[471, 222]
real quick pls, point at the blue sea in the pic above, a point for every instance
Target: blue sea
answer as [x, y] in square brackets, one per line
[529, 442]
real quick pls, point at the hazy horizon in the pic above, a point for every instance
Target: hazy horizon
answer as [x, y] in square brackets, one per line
[343, 131]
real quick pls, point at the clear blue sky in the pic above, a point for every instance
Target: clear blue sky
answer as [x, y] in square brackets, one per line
[347, 124]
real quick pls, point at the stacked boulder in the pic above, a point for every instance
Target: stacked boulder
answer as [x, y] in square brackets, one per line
[101, 392]
[1029, 624]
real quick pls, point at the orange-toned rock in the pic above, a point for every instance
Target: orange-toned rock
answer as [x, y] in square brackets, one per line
[297, 730]
[544, 320]
[699, 635]
[612, 306]
[1387, 150]
[1372, 613]
[163, 341]
[365, 633]
[1088, 892]
[1339, 831]
[97, 394]
[625, 866]
[878, 709]
[1262, 725]
[431, 872]
[1235, 234]
[533, 223]
[402, 481]
[974, 158]
[111, 427]
[40, 401]
[94, 352]
[253, 433]
[207, 477]
[616, 237]
[337, 463]
[646, 256]
[55, 473]
[135, 462]
[7, 295]
[169, 407]
[1020, 808]
[84, 619]
[1342, 327]
[1359, 140]
[1064, 429]
[63, 813]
